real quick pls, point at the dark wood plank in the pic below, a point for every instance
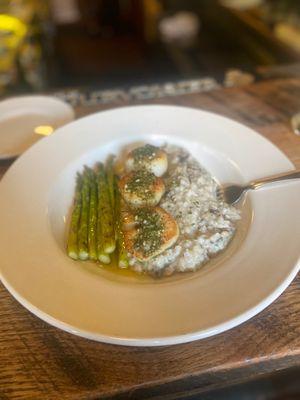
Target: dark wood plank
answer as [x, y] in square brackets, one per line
[38, 361]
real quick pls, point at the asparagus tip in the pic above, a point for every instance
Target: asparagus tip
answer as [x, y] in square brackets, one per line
[83, 255]
[73, 254]
[104, 258]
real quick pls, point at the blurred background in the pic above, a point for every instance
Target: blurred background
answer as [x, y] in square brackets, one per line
[46, 45]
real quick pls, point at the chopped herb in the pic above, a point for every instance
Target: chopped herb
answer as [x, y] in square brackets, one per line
[144, 154]
[140, 183]
[150, 231]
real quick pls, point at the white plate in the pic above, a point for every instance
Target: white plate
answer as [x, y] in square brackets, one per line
[26, 119]
[35, 196]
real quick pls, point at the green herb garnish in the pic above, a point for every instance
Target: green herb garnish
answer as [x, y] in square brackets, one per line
[145, 153]
[150, 231]
[140, 183]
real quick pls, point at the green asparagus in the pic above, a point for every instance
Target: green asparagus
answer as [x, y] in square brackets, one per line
[73, 231]
[92, 229]
[110, 180]
[102, 256]
[106, 234]
[84, 218]
[121, 250]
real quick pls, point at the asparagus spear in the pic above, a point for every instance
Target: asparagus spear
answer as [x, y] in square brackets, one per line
[106, 234]
[92, 229]
[102, 256]
[72, 246]
[110, 180]
[121, 250]
[84, 218]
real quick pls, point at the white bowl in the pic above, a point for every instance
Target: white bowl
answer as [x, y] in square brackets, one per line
[80, 297]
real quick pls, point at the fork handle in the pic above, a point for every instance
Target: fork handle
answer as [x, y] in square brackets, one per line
[274, 178]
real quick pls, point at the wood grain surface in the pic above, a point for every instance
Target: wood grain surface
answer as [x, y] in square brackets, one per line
[38, 361]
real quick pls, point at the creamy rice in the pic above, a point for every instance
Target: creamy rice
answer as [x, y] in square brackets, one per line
[206, 224]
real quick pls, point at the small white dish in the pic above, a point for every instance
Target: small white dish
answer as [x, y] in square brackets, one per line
[82, 298]
[26, 119]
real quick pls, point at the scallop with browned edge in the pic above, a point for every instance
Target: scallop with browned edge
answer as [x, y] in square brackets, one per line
[141, 188]
[147, 157]
[155, 230]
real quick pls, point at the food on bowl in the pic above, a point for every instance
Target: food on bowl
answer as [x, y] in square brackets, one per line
[158, 214]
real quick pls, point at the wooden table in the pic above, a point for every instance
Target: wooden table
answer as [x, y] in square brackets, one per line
[38, 361]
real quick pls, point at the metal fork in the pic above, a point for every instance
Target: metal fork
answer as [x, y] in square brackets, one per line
[295, 122]
[231, 194]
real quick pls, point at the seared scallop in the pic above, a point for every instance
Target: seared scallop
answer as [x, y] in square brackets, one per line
[141, 188]
[154, 232]
[147, 157]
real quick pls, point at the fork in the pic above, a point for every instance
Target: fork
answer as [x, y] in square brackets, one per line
[231, 194]
[295, 122]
